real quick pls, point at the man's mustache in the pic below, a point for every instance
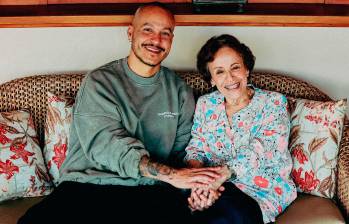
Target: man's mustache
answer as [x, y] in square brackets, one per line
[153, 45]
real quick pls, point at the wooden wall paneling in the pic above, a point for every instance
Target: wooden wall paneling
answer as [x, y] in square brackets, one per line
[112, 1]
[75, 15]
[23, 2]
[181, 20]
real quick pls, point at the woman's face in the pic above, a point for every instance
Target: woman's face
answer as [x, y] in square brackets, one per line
[229, 73]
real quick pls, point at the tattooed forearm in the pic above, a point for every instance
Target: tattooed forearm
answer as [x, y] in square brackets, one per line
[150, 168]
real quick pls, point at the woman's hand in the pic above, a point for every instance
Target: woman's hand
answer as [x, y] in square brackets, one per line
[203, 198]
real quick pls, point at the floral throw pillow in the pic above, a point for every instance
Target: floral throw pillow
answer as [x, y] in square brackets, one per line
[22, 168]
[57, 126]
[316, 131]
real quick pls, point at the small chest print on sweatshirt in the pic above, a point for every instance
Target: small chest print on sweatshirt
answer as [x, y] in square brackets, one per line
[168, 114]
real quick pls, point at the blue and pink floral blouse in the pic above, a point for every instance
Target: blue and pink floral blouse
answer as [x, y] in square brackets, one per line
[255, 147]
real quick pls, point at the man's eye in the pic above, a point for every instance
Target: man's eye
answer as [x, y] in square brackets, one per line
[166, 34]
[148, 30]
[235, 68]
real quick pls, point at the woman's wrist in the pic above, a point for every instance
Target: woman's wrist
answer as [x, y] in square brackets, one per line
[195, 163]
[231, 175]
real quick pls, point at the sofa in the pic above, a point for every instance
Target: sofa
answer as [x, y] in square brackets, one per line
[31, 93]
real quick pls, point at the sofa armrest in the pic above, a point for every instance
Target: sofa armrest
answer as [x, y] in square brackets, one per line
[343, 171]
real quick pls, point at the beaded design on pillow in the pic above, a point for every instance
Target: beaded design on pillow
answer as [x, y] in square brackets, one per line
[316, 130]
[57, 126]
[22, 168]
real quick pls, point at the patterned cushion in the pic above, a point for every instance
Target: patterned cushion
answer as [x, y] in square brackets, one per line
[57, 125]
[22, 168]
[314, 142]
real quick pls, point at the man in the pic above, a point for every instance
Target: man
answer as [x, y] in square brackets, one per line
[131, 123]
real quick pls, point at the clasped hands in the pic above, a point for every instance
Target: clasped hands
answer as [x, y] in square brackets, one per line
[205, 183]
[203, 197]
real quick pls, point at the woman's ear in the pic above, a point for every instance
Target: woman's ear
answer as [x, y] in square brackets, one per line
[213, 83]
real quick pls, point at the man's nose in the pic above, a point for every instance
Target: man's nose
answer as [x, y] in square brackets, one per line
[156, 38]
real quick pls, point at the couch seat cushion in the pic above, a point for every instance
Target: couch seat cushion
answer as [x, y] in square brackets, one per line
[11, 211]
[308, 209]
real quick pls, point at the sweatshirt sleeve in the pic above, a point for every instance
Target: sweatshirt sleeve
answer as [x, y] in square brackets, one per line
[103, 138]
[184, 126]
[197, 142]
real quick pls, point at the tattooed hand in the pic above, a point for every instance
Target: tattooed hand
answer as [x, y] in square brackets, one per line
[185, 178]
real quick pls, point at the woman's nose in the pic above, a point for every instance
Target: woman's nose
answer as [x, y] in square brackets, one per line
[230, 76]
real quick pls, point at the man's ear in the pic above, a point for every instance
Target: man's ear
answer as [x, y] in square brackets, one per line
[130, 32]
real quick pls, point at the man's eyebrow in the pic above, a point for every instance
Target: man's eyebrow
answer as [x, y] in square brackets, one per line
[147, 24]
[169, 29]
[152, 25]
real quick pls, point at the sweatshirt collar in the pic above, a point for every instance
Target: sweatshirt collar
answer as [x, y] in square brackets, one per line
[139, 79]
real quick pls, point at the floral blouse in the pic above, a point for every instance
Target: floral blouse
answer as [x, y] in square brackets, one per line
[255, 147]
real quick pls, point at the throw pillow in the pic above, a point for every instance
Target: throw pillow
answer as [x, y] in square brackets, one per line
[57, 126]
[22, 168]
[316, 131]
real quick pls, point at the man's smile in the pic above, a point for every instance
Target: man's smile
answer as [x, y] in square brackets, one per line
[152, 48]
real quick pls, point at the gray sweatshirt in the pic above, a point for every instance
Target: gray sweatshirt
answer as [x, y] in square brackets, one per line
[119, 116]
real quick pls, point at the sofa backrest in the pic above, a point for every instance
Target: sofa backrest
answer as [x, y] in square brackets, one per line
[30, 93]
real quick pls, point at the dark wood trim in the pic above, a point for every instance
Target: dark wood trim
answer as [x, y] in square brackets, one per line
[110, 1]
[287, 1]
[293, 15]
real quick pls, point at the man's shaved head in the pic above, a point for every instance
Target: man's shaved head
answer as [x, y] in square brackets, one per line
[150, 6]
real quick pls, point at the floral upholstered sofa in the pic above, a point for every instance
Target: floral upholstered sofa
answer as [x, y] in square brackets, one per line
[323, 200]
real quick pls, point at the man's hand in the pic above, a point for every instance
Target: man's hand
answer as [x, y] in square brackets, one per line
[185, 178]
[189, 178]
[225, 175]
[224, 172]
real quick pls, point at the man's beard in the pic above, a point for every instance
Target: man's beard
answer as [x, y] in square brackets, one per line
[144, 62]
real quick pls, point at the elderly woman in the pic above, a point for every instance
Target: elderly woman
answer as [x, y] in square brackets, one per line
[245, 129]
